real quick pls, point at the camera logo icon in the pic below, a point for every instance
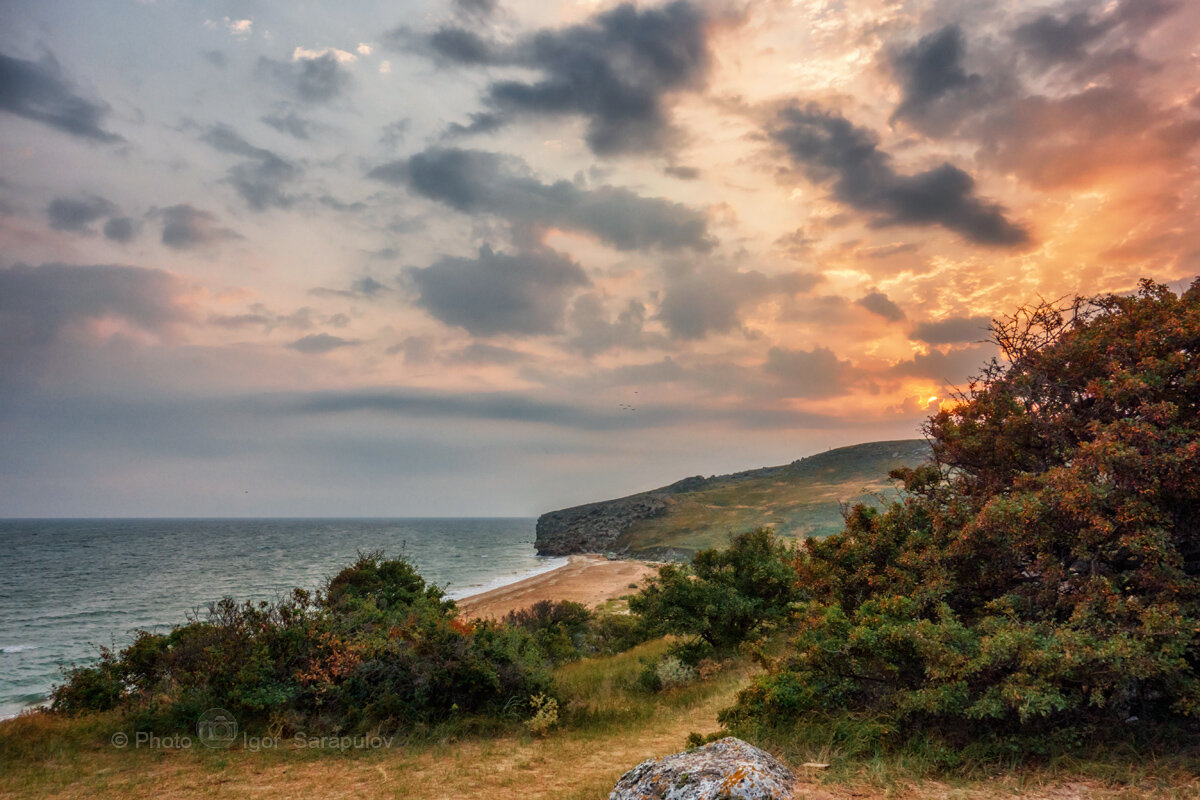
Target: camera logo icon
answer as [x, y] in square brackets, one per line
[216, 728]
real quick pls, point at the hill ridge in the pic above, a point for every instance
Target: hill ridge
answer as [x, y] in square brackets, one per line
[692, 513]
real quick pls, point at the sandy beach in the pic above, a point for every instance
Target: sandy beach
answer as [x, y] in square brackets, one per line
[587, 579]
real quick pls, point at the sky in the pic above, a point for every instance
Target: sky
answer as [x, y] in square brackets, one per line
[495, 257]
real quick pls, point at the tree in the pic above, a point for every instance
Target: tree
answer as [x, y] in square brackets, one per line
[1042, 574]
[725, 596]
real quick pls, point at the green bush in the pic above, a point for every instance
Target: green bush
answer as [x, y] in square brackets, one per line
[377, 647]
[724, 597]
[1039, 584]
[566, 630]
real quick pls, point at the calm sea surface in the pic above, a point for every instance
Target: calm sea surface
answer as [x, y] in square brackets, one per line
[68, 585]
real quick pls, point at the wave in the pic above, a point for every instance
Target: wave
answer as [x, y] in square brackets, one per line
[551, 563]
[17, 648]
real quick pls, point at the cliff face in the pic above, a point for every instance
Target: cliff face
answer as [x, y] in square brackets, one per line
[800, 499]
[595, 527]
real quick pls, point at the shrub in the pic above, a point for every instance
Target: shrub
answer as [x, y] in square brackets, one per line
[724, 597]
[377, 647]
[559, 628]
[1040, 581]
[545, 714]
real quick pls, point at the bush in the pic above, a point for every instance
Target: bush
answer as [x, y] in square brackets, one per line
[724, 597]
[1040, 582]
[559, 628]
[377, 647]
[566, 631]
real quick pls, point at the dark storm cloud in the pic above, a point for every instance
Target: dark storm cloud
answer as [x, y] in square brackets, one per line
[38, 302]
[120, 229]
[37, 90]
[312, 80]
[262, 180]
[812, 373]
[77, 214]
[930, 69]
[320, 343]
[953, 330]
[1100, 118]
[832, 150]
[615, 70]
[522, 293]
[474, 182]
[699, 302]
[879, 303]
[185, 227]
[216, 58]
[1051, 38]
[292, 124]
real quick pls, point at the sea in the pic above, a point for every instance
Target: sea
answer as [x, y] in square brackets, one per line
[70, 586]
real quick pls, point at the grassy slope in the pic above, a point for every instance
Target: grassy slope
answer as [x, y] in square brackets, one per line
[800, 499]
[608, 728]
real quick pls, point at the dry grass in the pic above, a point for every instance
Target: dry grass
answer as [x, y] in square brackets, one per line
[608, 727]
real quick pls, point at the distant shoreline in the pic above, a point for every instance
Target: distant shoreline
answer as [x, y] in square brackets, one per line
[588, 579]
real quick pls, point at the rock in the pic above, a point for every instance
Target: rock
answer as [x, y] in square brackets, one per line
[727, 769]
[595, 527]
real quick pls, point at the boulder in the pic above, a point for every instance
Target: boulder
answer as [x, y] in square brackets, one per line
[727, 769]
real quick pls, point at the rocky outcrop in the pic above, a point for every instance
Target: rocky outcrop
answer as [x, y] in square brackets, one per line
[729, 769]
[595, 527]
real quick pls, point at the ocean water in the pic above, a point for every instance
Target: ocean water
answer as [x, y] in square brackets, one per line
[67, 586]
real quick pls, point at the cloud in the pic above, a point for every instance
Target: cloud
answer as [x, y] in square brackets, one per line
[930, 70]
[483, 353]
[480, 9]
[952, 367]
[262, 180]
[77, 215]
[596, 333]
[37, 303]
[39, 91]
[312, 80]
[340, 56]
[1052, 39]
[292, 124]
[952, 330]
[186, 227]
[812, 374]
[121, 229]
[878, 303]
[523, 293]
[702, 301]
[216, 58]
[239, 27]
[320, 343]
[616, 71]
[498, 406]
[474, 181]
[829, 149]
[394, 132]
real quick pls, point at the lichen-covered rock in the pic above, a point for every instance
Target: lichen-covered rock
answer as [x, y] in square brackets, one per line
[727, 769]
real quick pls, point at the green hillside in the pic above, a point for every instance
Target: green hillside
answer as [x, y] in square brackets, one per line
[800, 499]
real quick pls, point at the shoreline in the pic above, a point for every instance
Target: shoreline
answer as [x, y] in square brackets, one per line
[589, 579]
[550, 564]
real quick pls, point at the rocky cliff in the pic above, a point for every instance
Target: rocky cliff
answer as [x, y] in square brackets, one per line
[595, 527]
